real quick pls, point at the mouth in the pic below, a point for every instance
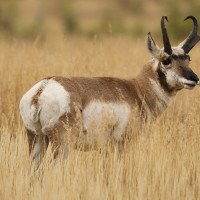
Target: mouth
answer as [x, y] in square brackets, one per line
[190, 85]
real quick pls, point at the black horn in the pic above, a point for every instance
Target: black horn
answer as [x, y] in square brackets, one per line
[166, 42]
[193, 38]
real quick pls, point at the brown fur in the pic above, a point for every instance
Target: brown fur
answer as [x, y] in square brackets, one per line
[137, 92]
[83, 90]
[35, 98]
[34, 101]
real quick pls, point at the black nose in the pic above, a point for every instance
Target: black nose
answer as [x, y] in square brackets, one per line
[194, 77]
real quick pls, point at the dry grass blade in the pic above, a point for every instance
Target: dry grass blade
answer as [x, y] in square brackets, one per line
[162, 164]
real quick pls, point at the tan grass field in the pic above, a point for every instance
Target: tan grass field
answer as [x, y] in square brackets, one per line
[164, 163]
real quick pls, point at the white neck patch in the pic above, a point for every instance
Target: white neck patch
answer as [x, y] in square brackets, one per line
[163, 99]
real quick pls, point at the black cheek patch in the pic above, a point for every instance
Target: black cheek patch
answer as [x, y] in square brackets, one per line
[163, 81]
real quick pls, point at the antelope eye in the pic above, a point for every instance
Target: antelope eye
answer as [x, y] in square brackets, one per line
[166, 62]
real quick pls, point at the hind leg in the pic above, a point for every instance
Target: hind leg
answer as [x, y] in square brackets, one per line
[31, 140]
[65, 134]
[37, 147]
[63, 139]
[58, 139]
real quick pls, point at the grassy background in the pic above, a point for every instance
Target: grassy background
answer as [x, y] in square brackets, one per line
[162, 164]
[96, 38]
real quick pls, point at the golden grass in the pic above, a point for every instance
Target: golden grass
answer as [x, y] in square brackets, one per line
[162, 164]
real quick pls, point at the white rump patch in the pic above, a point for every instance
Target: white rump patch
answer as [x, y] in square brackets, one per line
[26, 111]
[53, 102]
[112, 114]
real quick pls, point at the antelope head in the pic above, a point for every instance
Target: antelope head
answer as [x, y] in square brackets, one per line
[172, 63]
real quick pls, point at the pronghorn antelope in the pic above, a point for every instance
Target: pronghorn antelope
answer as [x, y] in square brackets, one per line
[77, 101]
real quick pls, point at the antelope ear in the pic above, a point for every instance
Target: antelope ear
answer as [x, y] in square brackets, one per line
[153, 49]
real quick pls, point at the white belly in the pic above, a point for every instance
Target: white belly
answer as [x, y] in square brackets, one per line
[100, 118]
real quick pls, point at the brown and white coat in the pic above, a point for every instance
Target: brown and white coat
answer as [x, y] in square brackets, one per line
[81, 101]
